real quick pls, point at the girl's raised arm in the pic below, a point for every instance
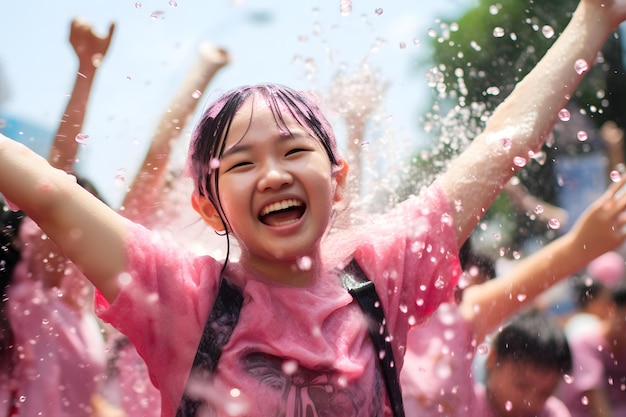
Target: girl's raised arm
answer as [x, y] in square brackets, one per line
[524, 120]
[601, 228]
[86, 230]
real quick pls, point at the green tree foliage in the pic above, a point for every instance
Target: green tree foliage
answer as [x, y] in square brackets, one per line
[478, 59]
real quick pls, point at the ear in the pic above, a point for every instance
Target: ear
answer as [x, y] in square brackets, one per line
[207, 211]
[341, 178]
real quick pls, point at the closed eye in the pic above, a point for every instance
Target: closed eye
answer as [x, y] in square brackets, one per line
[238, 165]
[295, 150]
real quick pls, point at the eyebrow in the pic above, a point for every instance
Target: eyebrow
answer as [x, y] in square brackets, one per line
[237, 148]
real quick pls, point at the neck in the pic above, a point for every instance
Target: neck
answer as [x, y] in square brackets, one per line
[297, 273]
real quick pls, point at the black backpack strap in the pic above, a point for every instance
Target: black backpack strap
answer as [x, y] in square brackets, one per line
[363, 291]
[217, 331]
[225, 313]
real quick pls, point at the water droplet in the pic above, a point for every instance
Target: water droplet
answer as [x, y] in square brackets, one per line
[506, 143]
[498, 32]
[568, 378]
[554, 224]
[538, 209]
[518, 161]
[156, 14]
[403, 308]
[580, 66]
[419, 302]
[120, 177]
[508, 406]
[196, 94]
[82, 138]
[564, 115]
[493, 91]
[137, 5]
[345, 7]
[521, 297]
[482, 349]
[22, 398]
[305, 263]
[173, 3]
[493, 10]
[214, 163]
[378, 11]
[439, 283]
[402, 45]
[584, 400]
[547, 31]
[290, 367]
[475, 46]
[582, 135]
[615, 176]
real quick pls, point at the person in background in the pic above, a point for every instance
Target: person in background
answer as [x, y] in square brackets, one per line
[528, 361]
[52, 342]
[437, 377]
[597, 386]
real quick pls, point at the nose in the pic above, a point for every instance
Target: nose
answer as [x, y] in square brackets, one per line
[274, 178]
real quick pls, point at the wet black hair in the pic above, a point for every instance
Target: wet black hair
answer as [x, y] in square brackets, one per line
[587, 289]
[533, 337]
[619, 295]
[9, 257]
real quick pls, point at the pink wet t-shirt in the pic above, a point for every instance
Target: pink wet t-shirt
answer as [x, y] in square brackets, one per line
[437, 375]
[59, 355]
[596, 366]
[294, 351]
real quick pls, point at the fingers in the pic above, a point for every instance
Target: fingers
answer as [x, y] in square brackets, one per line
[618, 189]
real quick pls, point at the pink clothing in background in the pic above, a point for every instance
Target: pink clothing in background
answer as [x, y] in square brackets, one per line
[595, 367]
[294, 351]
[553, 407]
[437, 375]
[59, 350]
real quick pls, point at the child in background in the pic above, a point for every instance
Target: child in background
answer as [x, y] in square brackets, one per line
[598, 380]
[437, 377]
[266, 172]
[53, 349]
[529, 358]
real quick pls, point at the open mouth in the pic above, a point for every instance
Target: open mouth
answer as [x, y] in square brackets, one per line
[282, 212]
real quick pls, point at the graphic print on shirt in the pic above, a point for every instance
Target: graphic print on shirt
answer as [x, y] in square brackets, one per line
[311, 393]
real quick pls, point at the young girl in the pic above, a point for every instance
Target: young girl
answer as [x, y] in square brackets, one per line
[267, 173]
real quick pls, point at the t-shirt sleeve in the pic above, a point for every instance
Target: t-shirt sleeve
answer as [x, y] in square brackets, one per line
[588, 368]
[411, 254]
[158, 307]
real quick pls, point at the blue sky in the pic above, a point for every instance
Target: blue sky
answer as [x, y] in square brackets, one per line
[299, 43]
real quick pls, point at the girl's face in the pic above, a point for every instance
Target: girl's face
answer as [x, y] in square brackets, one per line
[277, 189]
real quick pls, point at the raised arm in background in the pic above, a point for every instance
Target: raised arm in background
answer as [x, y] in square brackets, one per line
[525, 119]
[143, 195]
[90, 50]
[599, 229]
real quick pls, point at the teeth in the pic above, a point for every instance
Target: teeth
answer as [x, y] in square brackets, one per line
[280, 205]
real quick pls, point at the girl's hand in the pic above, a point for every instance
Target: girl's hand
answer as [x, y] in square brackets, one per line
[602, 227]
[89, 47]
